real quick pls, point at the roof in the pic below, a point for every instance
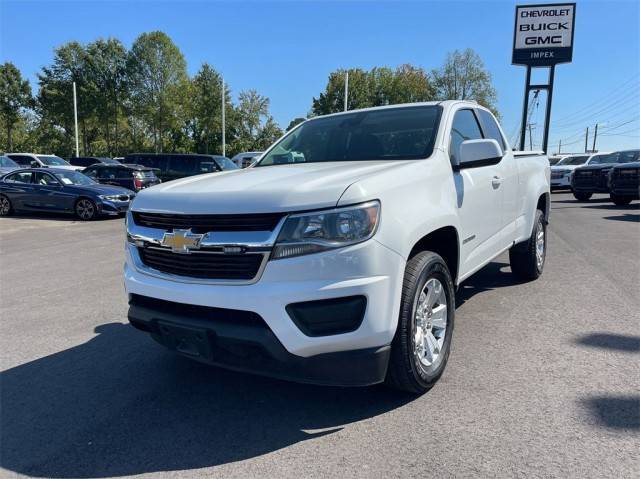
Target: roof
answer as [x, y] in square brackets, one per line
[443, 103]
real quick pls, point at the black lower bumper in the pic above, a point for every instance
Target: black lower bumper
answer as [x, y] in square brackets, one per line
[589, 189]
[242, 341]
[633, 192]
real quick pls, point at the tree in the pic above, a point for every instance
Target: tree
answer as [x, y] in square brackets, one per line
[15, 96]
[206, 111]
[295, 122]
[106, 73]
[463, 77]
[55, 97]
[376, 87]
[158, 79]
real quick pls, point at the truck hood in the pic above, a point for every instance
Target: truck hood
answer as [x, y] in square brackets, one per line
[565, 167]
[265, 189]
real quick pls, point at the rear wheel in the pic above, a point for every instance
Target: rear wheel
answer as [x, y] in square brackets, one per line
[420, 348]
[527, 259]
[86, 209]
[582, 196]
[620, 200]
[5, 206]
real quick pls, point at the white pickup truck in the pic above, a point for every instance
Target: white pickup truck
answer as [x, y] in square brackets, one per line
[335, 259]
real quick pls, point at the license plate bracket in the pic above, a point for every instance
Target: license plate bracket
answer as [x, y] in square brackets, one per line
[186, 340]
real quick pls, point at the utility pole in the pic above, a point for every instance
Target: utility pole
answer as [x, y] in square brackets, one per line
[595, 136]
[224, 142]
[346, 90]
[559, 147]
[586, 140]
[75, 118]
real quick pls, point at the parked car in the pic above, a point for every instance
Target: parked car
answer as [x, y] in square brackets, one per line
[134, 178]
[594, 177]
[7, 165]
[335, 258]
[62, 191]
[562, 171]
[553, 160]
[85, 161]
[624, 181]
[33, 160]
[171, 166]
[242, 160]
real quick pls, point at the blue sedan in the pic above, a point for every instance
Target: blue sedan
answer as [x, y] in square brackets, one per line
[62, 191]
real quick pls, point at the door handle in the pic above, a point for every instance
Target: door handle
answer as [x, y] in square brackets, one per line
[496, 181]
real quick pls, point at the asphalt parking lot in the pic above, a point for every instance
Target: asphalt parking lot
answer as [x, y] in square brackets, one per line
[543, 379]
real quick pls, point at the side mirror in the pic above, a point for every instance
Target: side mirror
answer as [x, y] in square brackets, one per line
[477, 153]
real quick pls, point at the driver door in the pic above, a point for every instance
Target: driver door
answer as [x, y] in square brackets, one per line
[479, 197]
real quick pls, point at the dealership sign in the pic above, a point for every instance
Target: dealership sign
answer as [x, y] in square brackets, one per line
[543, 34]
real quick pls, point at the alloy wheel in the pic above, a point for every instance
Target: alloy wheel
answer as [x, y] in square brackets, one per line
[430, 319]
[85, 209]
[5, 206]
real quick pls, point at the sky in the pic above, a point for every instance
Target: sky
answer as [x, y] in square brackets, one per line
[286, 50]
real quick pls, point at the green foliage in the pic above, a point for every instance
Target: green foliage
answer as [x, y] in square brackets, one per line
[463, 77]
[376, 87]
[295, 122]
[15, 96]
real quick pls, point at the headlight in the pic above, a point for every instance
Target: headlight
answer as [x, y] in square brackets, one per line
[111, 197]
[329, 229]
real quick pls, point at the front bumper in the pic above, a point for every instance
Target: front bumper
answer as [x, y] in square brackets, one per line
[561, 183]
[113, 207]
[367, 269]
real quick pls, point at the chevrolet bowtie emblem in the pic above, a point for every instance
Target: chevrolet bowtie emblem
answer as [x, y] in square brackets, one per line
[181, 241]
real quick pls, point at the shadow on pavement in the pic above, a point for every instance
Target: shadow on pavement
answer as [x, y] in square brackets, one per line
[56, 217]
[120, 405]
[626, 217]
[593, 200]
[617, 342]
[618, 412]
[494, 275]
[632, 206]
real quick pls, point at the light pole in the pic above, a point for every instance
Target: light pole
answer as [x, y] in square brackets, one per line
[75, 118]
[224, 143]
[346, 90]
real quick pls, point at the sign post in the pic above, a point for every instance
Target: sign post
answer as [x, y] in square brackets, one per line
[543, 37]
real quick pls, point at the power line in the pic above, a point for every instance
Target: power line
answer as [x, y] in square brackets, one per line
[630, 98]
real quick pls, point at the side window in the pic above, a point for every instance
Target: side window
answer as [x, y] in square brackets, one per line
[465, 127]
[91, 172]
[491, 129]
[184, 165]
[110, 173]
[22, 177]
[21, 160]
[123, 173]
[45, 179]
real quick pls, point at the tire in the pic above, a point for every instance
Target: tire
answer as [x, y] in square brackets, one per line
[85, 209]
[426, 280]
[5, 206]
[527, 259]
[582, 196]
[620, 200]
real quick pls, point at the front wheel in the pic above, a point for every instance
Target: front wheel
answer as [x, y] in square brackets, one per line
[527, 259]
[620, 200]
[582, 196]
[420, 348]
[5, 206]
[86, 209]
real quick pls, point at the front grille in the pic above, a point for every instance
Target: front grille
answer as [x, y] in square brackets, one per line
[202, 264]
[626, 177]
[206, 223]
[585, 178]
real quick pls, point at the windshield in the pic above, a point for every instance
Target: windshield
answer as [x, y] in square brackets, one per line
[73, 178]
[51, 160]
[109, 161]
[627, 156]
[6, 162]
[226, 164]
[574, 160]
[601, 159]
[403, 133]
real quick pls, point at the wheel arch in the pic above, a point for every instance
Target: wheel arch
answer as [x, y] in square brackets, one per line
[445, 242]
[544, 205]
